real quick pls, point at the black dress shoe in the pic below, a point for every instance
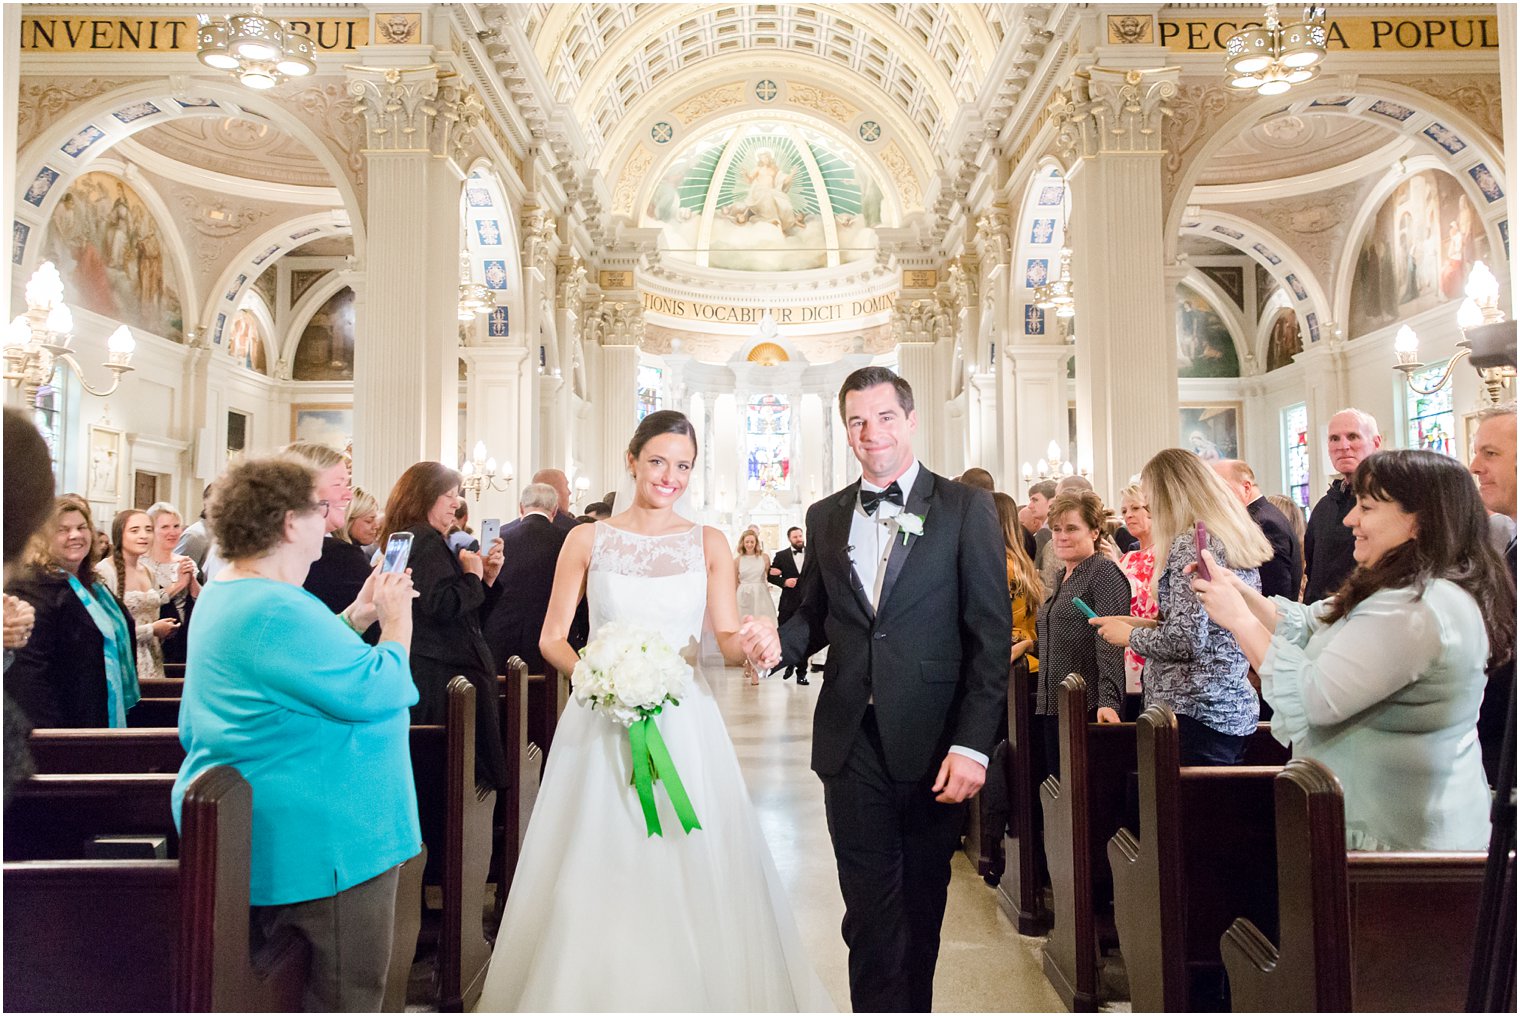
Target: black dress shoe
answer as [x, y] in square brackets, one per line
[787, 673]
[802, 679]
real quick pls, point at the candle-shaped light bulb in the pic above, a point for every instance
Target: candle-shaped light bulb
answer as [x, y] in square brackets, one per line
[1406, 341]
[468, 470]
[121, 342]
[1482, 286]
[60, 320]
[490, 467]
[1469, 315]
[478, 454]
[45, 288]
[1052, 452]
[506, 470]
[18, 332]
[1027, 472]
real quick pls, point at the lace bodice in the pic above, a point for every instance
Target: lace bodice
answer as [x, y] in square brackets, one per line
[656, 582]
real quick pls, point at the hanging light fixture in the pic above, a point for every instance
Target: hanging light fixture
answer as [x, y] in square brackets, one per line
[258, 51]
[36, 342]
[1479, 317]
[475, 298]
[1060, 293]
[1273, 57]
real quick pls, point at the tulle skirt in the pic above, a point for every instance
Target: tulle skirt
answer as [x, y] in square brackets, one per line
[604, 917]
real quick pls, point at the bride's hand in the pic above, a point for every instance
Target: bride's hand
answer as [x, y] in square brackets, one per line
[760, 642]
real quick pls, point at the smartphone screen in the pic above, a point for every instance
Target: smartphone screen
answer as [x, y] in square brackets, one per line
[490, 530]
[397, 551]
[1201, 540]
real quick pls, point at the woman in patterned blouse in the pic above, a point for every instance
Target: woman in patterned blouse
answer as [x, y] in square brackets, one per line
[1192, 665]
[1139, 566]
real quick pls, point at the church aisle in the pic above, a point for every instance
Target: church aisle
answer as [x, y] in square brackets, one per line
[985, 965]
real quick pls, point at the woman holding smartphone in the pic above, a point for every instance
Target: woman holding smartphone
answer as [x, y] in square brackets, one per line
[455, 592]
[1192, 665]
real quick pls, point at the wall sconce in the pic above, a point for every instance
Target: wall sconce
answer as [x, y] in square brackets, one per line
[37, 341]
[1481, 320]
[1051, 467]
[481, 473]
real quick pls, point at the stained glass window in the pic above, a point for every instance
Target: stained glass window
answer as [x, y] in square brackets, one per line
[650, 381]
[1432, 424]
[1296, 452]
[47, 414]
[768, 434]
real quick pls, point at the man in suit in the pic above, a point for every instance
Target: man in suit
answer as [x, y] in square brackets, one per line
[1283, 575]
[904, 582]
[1493, 463]
[559, 515]
[785, 574]
[1352, 436]
[530, 550]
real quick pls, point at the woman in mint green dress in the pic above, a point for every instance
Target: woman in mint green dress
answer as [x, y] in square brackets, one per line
[1382, 681]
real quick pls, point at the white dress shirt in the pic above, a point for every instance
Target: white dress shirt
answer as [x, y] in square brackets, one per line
[870, 547]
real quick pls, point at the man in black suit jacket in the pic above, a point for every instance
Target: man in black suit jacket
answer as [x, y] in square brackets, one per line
[786, 575]
[904, 581]
[530, 551]
[1283, 575]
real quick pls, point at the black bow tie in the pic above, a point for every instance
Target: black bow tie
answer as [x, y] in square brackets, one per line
[871, 499]
[798, 550]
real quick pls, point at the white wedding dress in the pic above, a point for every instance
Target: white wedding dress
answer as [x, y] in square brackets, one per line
[603, 917]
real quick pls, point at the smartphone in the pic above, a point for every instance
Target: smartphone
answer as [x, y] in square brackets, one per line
[1084, 608]
[1201, 541]
[490, 531]
[397, 552]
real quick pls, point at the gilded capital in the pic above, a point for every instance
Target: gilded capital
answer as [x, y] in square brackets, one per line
[994, 235]
[413, 109]
[1107, 110]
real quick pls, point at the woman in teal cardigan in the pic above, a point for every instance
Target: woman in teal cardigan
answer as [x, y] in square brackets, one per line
[315, 720]
[1382, 681]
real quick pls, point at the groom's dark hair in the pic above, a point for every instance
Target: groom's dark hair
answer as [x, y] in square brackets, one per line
[870, 377]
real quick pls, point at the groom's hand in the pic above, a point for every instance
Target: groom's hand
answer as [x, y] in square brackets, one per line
[959, 778]
[760, 642]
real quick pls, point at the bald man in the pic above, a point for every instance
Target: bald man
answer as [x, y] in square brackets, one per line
[1352, 436]
[556, 478]
[1283, 574]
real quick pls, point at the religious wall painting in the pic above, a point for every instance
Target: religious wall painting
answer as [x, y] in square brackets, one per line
[1212, 432]
[1416, 252]
[1392, 110]
[1295, 284]
[245, 342]
[1266, 252]
[266, 284]
[1333, 100]
[267, 253]
[1233, 234]
[1313, 320]
[20, 231]
[114, 261]
[1504, 235]
[301, 280]
[768, 437]
[196, 103]
[326, 349]
[1204, 345]
[1488, 185]
[37, 191]
[330, 425]
[767, 197]
[1231, 279]
[77, 145]
[136, 111]
[103, 483]
[1284, 341]
[302, 234]
[236, 287]
[1036, 272]
[1445, 137]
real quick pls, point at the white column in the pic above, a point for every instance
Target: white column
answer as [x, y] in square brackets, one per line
[406, 359]
[915, 362]
[617, 401]
[1126, 360]
[1035, 415]
[500, 380]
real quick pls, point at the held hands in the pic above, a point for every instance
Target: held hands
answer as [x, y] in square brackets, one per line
[19, 618]
[959, 777]
[761, 644]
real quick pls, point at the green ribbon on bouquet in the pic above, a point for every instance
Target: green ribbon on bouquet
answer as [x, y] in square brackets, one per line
[651, 763]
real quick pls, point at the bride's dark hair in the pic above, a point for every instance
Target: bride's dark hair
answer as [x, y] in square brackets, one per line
[665, 421]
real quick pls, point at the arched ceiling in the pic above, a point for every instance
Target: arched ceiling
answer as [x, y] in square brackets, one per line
[926, 59]
[1294, 144]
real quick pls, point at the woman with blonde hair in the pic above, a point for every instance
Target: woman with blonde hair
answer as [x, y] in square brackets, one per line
[1193, 665]
[753, 565]
[362, 526]
[1025, 589]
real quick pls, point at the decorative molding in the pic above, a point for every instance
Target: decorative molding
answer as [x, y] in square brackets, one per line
[629, 180]
[40, 103]
[709, 102]
[1478, 97]
[540, 241]
[1109, 111]
[903, 177]
[407, 109]
[1197, 110]
[994, 236]
[820, 101]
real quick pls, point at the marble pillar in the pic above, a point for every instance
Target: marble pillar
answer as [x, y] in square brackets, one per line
[406, 360]
[915, 362]
[501, 380]
[1034, 383]
[1110, 132]
[621, 330]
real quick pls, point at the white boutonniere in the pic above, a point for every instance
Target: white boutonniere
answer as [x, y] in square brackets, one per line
[909, 525]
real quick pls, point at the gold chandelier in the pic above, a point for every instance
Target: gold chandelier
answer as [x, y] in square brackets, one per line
[258, 51]
[475, 298]
[1060, 293]
[1272, 58]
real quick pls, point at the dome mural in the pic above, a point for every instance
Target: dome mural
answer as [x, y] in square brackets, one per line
[767, 197]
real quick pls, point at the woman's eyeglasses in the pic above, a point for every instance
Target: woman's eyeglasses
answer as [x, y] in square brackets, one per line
[322, 507]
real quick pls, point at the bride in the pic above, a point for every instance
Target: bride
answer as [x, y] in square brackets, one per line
[601, 915]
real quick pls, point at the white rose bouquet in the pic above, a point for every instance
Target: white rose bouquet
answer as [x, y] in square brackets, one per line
[631, 674]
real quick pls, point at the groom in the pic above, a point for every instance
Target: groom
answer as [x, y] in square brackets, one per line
[905, 581]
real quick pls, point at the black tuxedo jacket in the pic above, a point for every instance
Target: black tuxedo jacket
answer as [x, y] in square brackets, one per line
[934, 657]
[786, 563]
[1283, 575]
[531, 551]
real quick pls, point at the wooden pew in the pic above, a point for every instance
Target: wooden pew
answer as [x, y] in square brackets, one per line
[547, 696]
[103, 750]
[514, 806]
[174, 670]
[161, 687]
[1083, 808]
[457, 830]
[1205, 854]
[154, 712]
[1021, 888]
[150, 935]
[1360, 931]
